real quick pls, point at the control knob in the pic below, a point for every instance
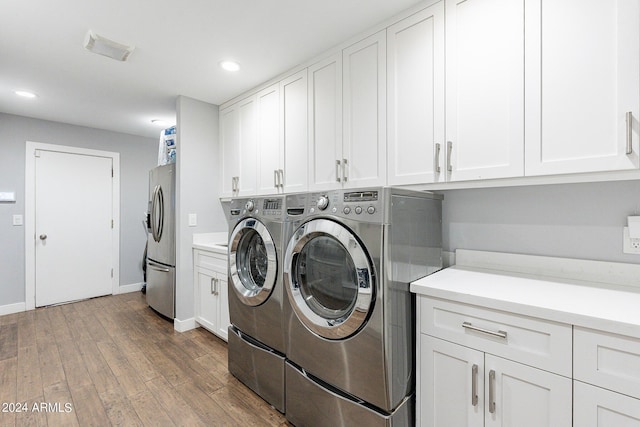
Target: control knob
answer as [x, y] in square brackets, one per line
[249, 205]
[323, 202]
[371, 210]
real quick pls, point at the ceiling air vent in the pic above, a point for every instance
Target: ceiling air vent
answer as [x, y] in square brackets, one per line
[103, 46]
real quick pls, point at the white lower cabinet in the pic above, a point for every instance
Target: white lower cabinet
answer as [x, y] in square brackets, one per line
[606, 387]
[212, 301]
[597, 407]
[483, 367]
[464, 387]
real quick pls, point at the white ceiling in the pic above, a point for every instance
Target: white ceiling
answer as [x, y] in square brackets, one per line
[178, 45]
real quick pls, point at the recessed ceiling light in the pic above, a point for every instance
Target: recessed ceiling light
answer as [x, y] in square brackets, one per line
[160, 122]
[25, 94]
[230, 65]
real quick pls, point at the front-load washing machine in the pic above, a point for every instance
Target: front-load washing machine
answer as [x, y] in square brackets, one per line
[256, 335]
[350, 316]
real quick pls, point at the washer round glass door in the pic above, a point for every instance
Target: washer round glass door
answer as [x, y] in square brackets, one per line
[252, 262]
[329, 279]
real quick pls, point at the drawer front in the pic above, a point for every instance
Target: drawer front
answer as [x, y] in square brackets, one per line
[210, 260]
[597, 407]
[607, 360]
[535, 342]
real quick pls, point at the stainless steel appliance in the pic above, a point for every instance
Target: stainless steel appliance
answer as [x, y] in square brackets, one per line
[256, 335]
[350, 316]
[161, 249]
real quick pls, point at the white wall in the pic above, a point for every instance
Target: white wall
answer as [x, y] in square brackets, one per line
[569, 220]
[197, 190]
[137, 155]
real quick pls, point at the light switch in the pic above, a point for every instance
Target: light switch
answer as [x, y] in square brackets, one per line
[193, 220]
[7, 196]
[18, 220]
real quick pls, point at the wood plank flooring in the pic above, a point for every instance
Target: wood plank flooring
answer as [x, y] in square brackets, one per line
[112, 361]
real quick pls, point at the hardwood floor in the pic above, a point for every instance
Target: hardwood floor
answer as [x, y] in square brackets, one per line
[113, 361]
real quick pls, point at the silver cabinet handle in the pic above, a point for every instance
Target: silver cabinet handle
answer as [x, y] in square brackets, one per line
[281, 177]
[449, 150]
[345, 176]
[437, 158]
[338, 164]
[474, 385]
[275, 178]
[492, 391]
[43, 237]
[629, 122]
[214, 286]
[499, 334]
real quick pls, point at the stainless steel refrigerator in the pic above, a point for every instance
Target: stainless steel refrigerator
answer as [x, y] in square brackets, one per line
[161, 249]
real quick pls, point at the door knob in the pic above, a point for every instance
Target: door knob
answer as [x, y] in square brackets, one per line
[43, 237]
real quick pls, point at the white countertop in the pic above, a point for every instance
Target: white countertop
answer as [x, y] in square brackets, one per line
[614, 309]
[212, 242]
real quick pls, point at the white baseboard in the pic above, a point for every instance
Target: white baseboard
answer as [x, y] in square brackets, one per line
[134, 287]
[12, 308]
[184, 325]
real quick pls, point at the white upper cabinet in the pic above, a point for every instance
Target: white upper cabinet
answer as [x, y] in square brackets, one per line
[238, 148]
[269, 154]
[282, 136]
[325, 123]
[415, 98]
[484, 89]
[583, 87]
[364, 150]
[229, 150]
[294, 133]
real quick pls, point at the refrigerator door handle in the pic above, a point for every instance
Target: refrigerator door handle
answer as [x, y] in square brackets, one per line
[154, 196]
[158, 214]
[158, 267]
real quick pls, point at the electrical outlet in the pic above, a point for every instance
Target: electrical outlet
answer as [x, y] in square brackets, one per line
[629, 245]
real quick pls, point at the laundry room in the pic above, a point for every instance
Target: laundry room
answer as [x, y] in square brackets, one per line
[418, 212]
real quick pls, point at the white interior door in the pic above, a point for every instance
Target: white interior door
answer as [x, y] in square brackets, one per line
[73, 226]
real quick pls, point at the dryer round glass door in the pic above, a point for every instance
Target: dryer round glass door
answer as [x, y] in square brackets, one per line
[329, 280]
[252, 262]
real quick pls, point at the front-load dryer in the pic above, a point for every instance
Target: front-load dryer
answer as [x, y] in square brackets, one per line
[350, 316]
[256, 335]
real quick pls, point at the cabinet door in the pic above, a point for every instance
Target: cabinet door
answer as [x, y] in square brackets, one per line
[597, 407]
[223, 321]
[229, 149]
[269, 153]
[294, 138]
[583, 77]
[325, 124]
[364, 112]
[449, 375]
[246, 182]
[207, 302]
[522, 396]
[415, 101]
[484, 88]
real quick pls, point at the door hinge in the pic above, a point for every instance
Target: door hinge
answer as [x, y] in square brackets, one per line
[112, 273]
[111, 223]
[111, 172]
[36, 153]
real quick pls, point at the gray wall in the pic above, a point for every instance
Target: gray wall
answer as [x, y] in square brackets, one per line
[569, 220]
[197, 190]
[137, 155]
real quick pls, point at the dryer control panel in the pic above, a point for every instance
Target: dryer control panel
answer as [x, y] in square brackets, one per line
[360, 205]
